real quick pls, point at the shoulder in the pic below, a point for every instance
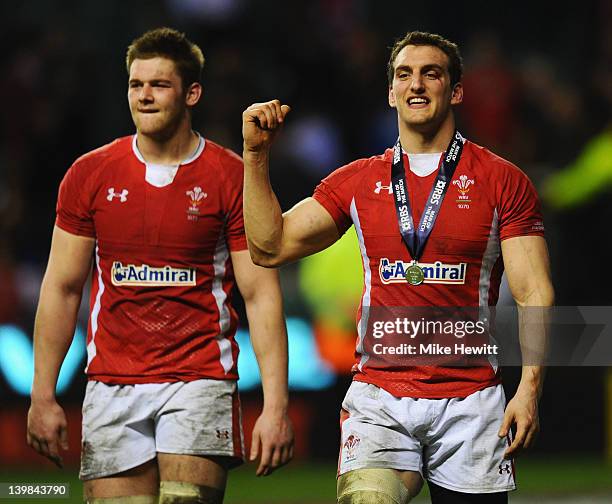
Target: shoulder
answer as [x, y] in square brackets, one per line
[97, 158]
[225, 157]
[513, 193]
[495, 166]
[116, 149]
[224, 161]
[227, 170]
[82, 180]
[355, 171]
[89, 166]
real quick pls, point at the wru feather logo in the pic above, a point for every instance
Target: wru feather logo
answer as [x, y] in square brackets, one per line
[196, 196]
[463, 184]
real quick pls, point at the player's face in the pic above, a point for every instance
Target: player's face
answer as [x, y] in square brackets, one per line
[156, 96]
[421, 90]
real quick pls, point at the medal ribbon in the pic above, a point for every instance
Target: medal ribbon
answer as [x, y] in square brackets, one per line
[415, 240]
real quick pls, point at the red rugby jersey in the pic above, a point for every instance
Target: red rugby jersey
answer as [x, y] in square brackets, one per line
[489, 200]
[160, 306]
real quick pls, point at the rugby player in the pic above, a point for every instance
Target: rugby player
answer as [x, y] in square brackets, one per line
[438, 219]
[156, 218]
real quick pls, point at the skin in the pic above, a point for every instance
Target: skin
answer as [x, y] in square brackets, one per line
[425, 125]
[421, 74]
[161, 110]
[527, 267]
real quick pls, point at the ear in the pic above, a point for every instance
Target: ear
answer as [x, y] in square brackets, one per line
[392, 102]
[457, 96]
[193, 95]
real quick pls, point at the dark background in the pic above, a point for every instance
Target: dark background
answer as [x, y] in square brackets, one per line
[538, 90]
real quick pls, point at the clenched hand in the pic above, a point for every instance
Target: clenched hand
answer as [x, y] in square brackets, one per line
[260, 124]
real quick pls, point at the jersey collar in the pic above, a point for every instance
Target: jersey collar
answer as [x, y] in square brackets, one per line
[190, 159]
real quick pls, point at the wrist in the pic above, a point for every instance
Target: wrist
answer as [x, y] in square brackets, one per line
[255, 154]
[276, 407]
[42, 396]
[530, 387]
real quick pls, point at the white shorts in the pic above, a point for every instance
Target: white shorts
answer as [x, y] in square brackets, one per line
[125, 426]
[451, 442]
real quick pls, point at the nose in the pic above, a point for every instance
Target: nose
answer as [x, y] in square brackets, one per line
[416, 84]
[146, 94]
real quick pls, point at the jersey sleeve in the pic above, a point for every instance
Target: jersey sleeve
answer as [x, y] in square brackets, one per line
[335, 193]
[519, 208]
[234, 225]
[73, 210]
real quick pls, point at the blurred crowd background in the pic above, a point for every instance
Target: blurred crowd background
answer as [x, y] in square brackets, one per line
[538, 91]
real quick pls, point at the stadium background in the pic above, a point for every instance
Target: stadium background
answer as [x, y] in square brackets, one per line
[538, 86]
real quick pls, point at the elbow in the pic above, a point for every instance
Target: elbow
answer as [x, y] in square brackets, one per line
[66, 288]
[549, 298]
[267, 263]
[542, 295]
[264, 259]
[546, 294]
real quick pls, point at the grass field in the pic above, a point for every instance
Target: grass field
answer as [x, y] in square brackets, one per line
[543, 480]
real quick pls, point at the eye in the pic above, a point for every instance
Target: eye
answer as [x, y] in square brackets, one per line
[403, 75]
[133, 85]
[431, 75]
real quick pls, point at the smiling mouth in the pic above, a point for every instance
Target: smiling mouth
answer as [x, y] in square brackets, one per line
[418, 102]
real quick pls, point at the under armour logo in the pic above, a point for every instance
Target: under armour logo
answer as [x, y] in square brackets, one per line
[504, 468]
[122, 195]
[379, 187]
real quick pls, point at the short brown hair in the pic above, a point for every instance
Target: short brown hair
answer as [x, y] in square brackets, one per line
[418, 38]
[171, 44]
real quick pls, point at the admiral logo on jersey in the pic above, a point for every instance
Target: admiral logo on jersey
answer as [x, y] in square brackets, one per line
[438, 272]
[149, 276]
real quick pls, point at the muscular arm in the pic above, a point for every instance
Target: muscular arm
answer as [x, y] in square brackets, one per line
[60, 296]
[528, 271]
[261, 291]
[275, 238]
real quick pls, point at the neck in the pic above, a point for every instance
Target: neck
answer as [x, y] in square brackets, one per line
[422, 140]
[168, 151]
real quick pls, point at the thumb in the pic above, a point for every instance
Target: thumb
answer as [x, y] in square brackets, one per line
[255, 440]
[505, 427]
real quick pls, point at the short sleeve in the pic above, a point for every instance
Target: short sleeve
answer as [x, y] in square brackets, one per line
[73, 210]
[519, 207]
[335, 193]
[234, 225]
